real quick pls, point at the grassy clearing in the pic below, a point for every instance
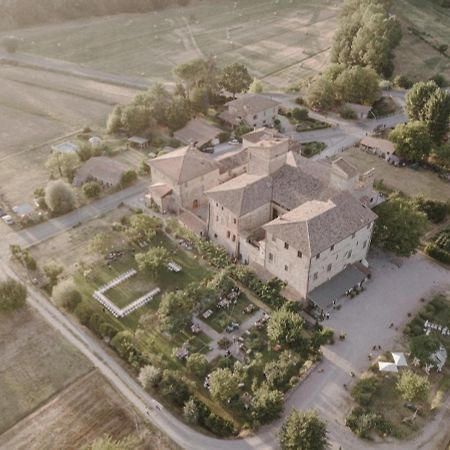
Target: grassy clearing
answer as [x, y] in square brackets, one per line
[279, 41]
[36, 362]
[410, 182]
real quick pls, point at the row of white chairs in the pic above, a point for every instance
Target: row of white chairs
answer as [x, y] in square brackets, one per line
[140, 302]
[116, 281]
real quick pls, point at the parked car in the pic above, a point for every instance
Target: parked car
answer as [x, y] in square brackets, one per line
[8, 219]
[208, 150]
[234, 142]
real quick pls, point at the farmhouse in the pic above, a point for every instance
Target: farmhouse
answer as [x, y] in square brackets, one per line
[199, 133]
[106, 171]
[254, 110]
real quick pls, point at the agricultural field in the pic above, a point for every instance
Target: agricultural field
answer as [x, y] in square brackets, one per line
[38, 108]
[409, 181]
[37, 363]
[279, 41]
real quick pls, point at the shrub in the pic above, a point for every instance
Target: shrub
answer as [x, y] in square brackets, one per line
[149, 377]
[59, 197]
[436, 211]
[362, 422]
[12, 295]
[91, 189]
[347, 113]
[216, 424]
[66, 295]
[107, 330]
[174, 388]
[83, 312]
[364, 390]
[300, 114]
[402, 81]
[413, 387]
[437, 253]
[128, 177]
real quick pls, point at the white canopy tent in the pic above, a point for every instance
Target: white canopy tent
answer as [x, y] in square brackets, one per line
[387, 367]
[399, 359]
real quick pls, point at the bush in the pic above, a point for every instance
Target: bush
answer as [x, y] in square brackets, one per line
[128, 177]
[91, 189]
[413, 387]
[149, 377]
[66, 295]
[437, 253]
[216, 424]
[439, 79]
[59, 197]
[402, 81]
[174, 388]
[436, 211]
[362, 422]
[364, 390]
[107, 330]
[347, 113]
[300, 114]
[12, 295]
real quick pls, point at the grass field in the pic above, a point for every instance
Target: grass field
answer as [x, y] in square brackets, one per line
[86, 410]
[36, 363]
[36, 108]
[280, 41]
[409, 181]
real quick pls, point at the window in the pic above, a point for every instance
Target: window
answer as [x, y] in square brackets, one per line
[222, 208]
[349, 254]
[270, 257]
[217, 205]
[234, 220]
[318, 256]
[228, 234]
[331, 248]
[353, 236]
[217, 218]
[316, 275]
[215, 235]
[286, 245]
[255, 116]
[234, 238]
[329, 268]
[365, 244]
[286, 268]
[299, 254]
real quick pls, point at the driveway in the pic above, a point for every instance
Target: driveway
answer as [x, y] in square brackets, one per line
[389, 297]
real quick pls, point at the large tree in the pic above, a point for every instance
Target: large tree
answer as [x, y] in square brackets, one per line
[236, 79]
[59, 197]
[285, 327]
[136, 119]
[428, 103]
[321, 94]
[12, 295]
[152, 261]
[412, 140]
[100, 243]
[358, 85]
[175, 312]
[142, 227]
[400, 226]
[303, 431]
[223, 384]
[267, 404]
[197, 364]
[66, 295]
[62, 164]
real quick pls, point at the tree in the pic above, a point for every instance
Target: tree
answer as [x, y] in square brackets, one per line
[223, 384]
[256, 87]
[59, 197]
[399, 227]
[418, 97]
[279, 372]
[300, 114]
[128, 177]
[285, 327]
[143, 227]
[91, 189]
[149, 377]
[136, 119]
[423, 346]
[191, 73]
[52, 272]
[303, 431]
[154, 260]
[412, 140]
[174, 387]
[63, 164]
[267, 404]
[197, 364]
[442, 154]
[175, 312]
[321, 95]
[413, 387]
[108, 443]
[178, 113]
[114, 122]
[358, 85]
[191, 411]
[236, 79]
[12, 295]
[402, 81]
[66, 295]
[10, 44]
[199, 100]
[99, 244]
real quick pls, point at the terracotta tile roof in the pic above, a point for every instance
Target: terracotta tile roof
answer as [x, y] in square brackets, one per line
[316, 225]
[184, 164]
[160, 190]
[345, 167]
[101, 168]
[380, 144]
[197, 131]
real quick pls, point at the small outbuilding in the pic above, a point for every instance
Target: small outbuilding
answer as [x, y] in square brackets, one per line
[138, 141]
[381, 147]
[361, 111]
[199, 133]
[160, 195]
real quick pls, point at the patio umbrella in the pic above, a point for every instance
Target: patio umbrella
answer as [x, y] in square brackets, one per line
[387, 367]
[399, 359]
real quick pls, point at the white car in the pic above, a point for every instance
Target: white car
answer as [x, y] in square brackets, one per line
[8, 219]
[234, 142]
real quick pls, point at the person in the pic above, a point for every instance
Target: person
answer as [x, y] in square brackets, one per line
[345, 386]
[328, 316]
[352, 374]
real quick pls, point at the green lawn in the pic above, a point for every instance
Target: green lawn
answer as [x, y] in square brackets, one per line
[222, 317]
